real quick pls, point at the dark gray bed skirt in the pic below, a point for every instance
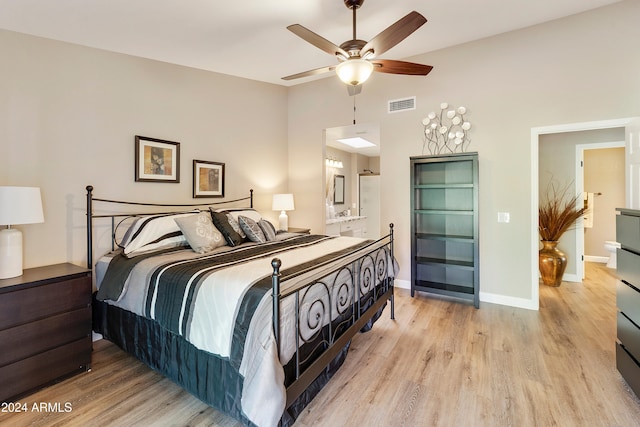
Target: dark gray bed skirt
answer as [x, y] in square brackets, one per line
[210, 378]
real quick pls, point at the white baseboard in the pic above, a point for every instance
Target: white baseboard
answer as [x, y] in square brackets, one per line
[487, 297]
[529, 304]
[593, 258]
[402, 284]
[571, 278]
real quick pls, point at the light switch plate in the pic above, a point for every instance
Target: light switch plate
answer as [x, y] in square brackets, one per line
[504, 217]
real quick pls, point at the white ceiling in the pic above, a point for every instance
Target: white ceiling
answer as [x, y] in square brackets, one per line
[249, 38]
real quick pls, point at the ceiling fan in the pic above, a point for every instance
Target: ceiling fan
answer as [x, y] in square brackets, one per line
[357, 57]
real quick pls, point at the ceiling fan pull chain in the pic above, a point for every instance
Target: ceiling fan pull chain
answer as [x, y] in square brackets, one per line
[354, 110]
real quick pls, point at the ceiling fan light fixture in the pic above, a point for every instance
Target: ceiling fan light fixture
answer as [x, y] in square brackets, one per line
[354, 71]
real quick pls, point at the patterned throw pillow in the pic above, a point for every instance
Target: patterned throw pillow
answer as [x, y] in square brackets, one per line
[200, 232]
[221, 221]
[233, 222]
[251, 229]
[268, 229]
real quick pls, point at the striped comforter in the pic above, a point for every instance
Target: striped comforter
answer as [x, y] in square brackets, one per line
[221, 303]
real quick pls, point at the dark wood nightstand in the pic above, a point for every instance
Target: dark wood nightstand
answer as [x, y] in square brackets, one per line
[299, 230]
[45, 327]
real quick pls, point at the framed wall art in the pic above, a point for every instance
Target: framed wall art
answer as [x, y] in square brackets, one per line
[157, 160]
[208, 179]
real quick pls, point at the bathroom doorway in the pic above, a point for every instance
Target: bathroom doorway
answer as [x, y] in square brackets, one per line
[356, 148]
[601, 178]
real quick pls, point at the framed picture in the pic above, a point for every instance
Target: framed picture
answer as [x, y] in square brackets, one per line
[208, 179]
[157, 160]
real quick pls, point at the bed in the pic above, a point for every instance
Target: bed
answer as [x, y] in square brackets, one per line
[252, 321]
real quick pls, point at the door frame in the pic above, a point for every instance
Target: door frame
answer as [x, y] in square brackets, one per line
[534, 164]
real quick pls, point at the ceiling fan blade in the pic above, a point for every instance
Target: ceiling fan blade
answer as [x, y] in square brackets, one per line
[354, 90]
[318, 41]
[310, 73]
[393, 34]
[391, 66]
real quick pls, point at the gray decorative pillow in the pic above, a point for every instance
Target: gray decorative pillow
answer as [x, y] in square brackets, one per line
[251, 229]
[200, 232]
[268, 229]
[221, 222]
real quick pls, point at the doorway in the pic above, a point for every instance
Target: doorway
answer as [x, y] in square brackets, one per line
[601, 179]
[357, 148]
[632, 173]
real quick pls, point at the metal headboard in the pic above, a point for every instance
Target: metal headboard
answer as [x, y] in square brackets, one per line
[91, 216]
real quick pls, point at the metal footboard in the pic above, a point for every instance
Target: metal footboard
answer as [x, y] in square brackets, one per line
[352, 293]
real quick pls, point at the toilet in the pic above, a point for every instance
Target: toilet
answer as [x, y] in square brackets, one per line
[611, 247]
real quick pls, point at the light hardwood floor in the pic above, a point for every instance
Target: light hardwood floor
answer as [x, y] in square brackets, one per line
[439, 363]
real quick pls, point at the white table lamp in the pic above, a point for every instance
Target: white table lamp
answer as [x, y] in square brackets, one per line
[283, 203]
[18, 205]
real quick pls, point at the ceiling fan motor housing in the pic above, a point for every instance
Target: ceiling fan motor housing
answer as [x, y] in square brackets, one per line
[352, 47]
[353, 3]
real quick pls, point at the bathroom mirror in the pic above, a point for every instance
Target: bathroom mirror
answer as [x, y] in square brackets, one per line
[338, 185]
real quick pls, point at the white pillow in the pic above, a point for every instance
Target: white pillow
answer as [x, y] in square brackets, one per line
[249, 213]
[153, 232]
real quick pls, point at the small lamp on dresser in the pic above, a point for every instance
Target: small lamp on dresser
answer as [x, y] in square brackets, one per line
[18, 205]
[283, 203]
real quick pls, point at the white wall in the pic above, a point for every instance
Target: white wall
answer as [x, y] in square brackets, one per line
[578, 69]
[68, 116]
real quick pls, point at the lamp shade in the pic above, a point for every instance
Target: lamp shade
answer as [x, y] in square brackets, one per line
[283, 202]
[354, 71]
[20, 205]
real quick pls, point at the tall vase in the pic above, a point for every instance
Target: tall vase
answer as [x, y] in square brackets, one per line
[552, 263]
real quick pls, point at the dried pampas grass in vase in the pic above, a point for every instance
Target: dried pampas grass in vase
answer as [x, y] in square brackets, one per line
[558, 211]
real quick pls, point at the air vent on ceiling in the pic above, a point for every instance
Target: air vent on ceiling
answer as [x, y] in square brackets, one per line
[404, 104]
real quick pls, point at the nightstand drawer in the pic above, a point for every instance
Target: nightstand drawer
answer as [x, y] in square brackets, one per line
[26, 305]
[27, 374]
[36, 337]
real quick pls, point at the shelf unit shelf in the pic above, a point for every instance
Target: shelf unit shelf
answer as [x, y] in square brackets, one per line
[438, 186]
[449, 237]
[444, 225]
[464, 265]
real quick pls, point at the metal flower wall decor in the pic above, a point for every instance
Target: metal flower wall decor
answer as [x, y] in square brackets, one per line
[447, 132]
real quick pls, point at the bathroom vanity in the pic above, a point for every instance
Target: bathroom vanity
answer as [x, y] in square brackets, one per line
[346, 226]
